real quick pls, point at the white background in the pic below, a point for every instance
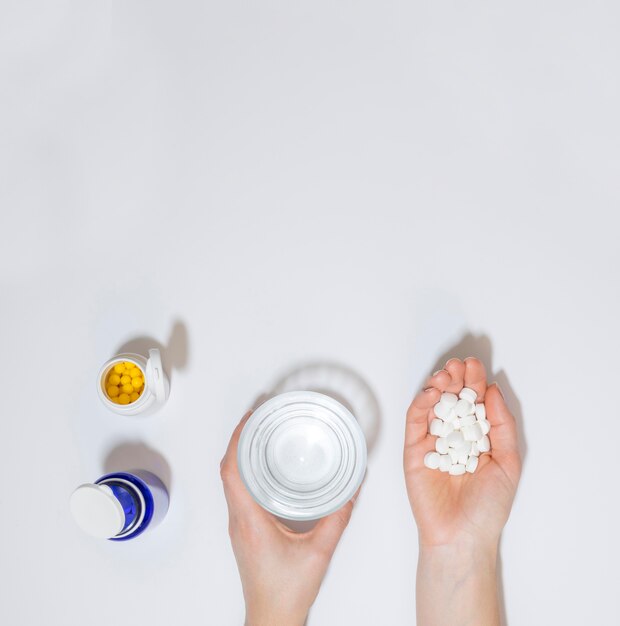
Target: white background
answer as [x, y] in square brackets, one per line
[258, 185]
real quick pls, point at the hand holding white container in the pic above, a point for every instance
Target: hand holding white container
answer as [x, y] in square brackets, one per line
[302, 455]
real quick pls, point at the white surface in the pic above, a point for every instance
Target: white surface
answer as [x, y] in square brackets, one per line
[355, 182]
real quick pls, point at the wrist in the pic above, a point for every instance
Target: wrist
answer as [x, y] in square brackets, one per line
[274, 618]
[464, 545]
[462, 554]
[458, 579]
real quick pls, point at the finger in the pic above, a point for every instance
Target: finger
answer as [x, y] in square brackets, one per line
[326, 534]
[456, 369]
[418, 415]
[475, 377]
[440, 380]
[231, 450]
[237, 496]
[503, 435]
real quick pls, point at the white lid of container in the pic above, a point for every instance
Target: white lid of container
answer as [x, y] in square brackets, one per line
[155, 375]
[302, 455]
[97, 511]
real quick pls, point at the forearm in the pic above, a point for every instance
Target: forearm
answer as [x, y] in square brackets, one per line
[457, 585]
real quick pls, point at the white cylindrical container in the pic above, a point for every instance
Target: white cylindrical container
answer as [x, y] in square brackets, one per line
[302, 455]
[156, 386]
[120, 506]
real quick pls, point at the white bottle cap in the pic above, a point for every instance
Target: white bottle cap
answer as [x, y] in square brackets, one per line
[155, 375]
[97, 511]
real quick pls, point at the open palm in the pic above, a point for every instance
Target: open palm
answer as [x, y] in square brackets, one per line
[449, 508]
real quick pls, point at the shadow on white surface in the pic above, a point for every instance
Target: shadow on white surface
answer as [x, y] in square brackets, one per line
[136, 455]
[480, 346]
[339, 382]
[174, 355]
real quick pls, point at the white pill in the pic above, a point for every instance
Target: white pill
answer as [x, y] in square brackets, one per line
[472, 432]
[456, 424]
[457, 470]
[431, 460]
[471, 464]
[465, 448]
[449, 398]
[441, 445]
[447, 428]
[485, 425]
[441, 410]
[454, 455]
[463, 408]
[474, 449]
[468, 420]
[451, 416]
[463, 458]
[481, 412]
[444, 463]
[455, 439]
[436, 427]
[484, 445]
[468, 394]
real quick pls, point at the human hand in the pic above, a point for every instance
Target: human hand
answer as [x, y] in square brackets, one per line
[460, 518]
[449, 509]
[281, 570]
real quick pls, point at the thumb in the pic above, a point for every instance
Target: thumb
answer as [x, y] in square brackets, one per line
[503, 435]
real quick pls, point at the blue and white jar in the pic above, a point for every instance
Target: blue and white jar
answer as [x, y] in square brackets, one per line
[120, 506]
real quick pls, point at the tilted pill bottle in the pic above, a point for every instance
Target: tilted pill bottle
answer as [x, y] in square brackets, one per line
[302, 455]
[155, 387]
[120, 506]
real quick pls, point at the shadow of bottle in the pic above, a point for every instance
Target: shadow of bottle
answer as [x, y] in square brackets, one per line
[480, 346]
[136, 455]
[174, 355]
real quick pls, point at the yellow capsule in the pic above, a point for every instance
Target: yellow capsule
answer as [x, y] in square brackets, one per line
[137, 382]
[128, 388]
[123, 399]
[125, 379]
[114, 379]
[112, 391]
[129, 365]
[135, 372]
[134, 396]
[115, 400]
[119, 368]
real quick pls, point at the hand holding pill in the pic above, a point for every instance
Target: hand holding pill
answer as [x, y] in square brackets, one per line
[462, 467]
[458, 421]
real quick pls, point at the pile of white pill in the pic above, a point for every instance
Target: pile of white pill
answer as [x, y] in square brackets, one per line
[462, 429]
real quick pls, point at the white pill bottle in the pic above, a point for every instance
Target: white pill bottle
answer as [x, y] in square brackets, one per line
[120, 506]
[156, 384]
[302, 455]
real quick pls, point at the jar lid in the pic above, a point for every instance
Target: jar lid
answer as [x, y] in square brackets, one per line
[155, 375]
[302, 455]
[97, 511]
